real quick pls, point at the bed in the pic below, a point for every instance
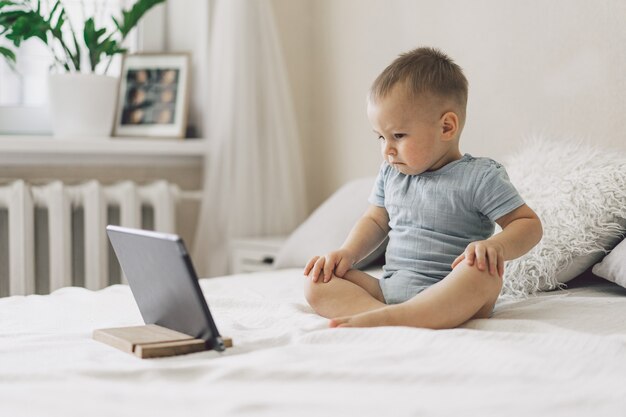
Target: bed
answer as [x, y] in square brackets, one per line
[553, 353]
[558, 353]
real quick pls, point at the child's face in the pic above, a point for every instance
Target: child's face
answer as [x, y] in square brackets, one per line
[411, 132]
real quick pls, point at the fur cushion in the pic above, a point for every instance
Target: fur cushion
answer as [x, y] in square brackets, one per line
[579, 192]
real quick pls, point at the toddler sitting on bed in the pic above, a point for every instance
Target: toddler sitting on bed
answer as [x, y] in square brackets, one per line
[438, 207]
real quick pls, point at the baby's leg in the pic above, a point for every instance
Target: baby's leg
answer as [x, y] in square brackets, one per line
[464, 294]
[355, 293]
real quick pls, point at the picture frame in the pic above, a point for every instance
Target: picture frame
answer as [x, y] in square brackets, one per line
[153, 95]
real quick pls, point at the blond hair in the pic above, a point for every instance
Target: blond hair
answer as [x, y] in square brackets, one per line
[424, 70]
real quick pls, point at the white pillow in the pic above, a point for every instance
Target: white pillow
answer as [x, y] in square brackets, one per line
[613, 266]
[328, 227]
[579, 192]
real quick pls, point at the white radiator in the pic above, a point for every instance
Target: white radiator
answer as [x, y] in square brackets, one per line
[23, 202]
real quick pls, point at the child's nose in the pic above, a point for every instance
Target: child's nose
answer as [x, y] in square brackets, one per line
[388, 149]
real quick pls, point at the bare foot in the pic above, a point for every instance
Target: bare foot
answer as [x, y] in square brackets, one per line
[386, 316]
[340, 322]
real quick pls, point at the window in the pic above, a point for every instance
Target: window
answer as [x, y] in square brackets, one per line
[23, 94]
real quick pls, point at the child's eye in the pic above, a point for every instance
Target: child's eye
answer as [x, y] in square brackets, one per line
[398, 135]
[381, 137]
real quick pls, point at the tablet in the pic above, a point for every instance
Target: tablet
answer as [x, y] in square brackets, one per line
[164, 283]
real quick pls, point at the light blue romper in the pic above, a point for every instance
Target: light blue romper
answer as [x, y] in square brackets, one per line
[433, 216]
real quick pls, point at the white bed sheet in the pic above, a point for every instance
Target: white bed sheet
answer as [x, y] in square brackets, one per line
[558, 354]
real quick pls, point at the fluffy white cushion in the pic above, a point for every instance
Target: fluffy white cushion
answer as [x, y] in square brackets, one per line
[613, 266]
[328, 226]
[579, 192]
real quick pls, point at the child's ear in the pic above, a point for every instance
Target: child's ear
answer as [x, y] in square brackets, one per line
[449, 123]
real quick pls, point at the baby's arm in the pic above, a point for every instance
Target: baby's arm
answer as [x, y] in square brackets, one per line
[368, 232]
[521, 230]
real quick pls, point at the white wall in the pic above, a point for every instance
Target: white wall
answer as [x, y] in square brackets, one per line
[187, 30]
[556, 66]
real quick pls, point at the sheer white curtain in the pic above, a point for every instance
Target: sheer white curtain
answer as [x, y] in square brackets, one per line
[254, 184]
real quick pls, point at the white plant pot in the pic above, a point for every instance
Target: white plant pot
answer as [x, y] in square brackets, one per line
[82, 105]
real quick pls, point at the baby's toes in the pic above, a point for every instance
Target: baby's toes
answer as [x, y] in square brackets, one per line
[340, 322]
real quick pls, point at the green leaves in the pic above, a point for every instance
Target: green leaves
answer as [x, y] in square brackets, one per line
[131, 17]
[8, 55]
[20, 20]
[19, 25]
[56, 30]
[98, 46]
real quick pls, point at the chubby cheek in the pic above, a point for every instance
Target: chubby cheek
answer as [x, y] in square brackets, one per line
[410, 154]
[416, 153]
[417, 160]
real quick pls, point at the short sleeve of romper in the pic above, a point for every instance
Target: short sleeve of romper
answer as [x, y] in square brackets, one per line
[495, 195]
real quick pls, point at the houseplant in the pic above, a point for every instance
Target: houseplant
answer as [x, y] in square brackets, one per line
[81, 95]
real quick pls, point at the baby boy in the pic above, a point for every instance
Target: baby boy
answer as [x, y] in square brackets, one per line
[438, 207]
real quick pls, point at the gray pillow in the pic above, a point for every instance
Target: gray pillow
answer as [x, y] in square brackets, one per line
[328, 226]
[613, 266]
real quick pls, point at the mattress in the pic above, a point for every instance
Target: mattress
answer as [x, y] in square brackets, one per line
[561, 353]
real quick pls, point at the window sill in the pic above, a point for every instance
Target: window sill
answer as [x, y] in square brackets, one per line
[25, 150]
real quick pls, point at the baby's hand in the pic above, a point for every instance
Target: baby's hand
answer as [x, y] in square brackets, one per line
[484, 253]
[337, 262]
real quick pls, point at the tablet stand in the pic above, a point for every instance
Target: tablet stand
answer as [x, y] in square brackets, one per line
[152, 341]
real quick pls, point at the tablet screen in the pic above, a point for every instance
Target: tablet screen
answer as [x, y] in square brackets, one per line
[164, 283]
